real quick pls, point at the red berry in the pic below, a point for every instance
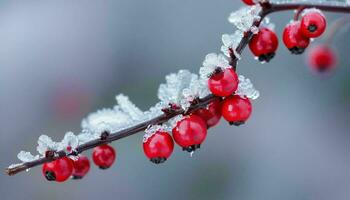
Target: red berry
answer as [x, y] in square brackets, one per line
[313, 24]
[223, 83]
[212, 114]
[249, 2]
[81, 167]
[236, 110]
[58, 170]
[264, 44]
[293, 39]
[190, 132]
[159, 147]
[322, 58]
[103, 156]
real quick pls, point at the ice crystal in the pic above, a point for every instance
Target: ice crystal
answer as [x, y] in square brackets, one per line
[106, 120]
[152, 129]
[246, 88]
[45, 143]
[173, 121]
[69, 140]
[311, 10]
[128, 107]
[245, 17]
[231, 42]
[211, 63]
[171, 91]
[26, 156]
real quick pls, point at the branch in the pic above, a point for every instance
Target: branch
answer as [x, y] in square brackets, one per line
[268, 8]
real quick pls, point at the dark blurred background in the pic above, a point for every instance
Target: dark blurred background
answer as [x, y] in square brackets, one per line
[60, 60]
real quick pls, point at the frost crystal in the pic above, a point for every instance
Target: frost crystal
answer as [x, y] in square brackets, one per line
[172, 90]
[173, 121]
[311, 10]
[231, 42]
[128, 107]
[152, 129]
[45, 143]
[69, 140]
[246, 88]
[106, 120]
[211, 63]
[26, 156]
[244, 18]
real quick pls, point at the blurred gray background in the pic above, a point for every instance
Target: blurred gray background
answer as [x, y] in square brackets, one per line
[60, 60]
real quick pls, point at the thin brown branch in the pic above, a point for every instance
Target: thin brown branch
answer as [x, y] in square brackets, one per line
[267, 9]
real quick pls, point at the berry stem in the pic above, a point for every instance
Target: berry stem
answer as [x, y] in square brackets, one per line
[268, 8]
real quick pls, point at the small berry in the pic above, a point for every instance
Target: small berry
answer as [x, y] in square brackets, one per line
[159, 147]
[293, 39]
[212, 114]
[81, 167]
[58, 170]
[190, 132]
[236, 110]
[249, 2]
[313, 24]
[322, 58]
[103, 156]
[223, 83]
[264, 44]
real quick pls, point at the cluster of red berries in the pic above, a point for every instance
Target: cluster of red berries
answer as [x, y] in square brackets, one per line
[297, 34]
[189, 132]
[62, 169]
[296, 37]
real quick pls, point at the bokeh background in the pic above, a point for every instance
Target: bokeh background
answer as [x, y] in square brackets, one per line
[60, 60]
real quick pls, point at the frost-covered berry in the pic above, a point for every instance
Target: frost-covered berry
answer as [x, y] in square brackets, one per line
[293, 39]
[211, 114]
[81, 167]
[58, 170]
[103, 156]
[223, 83]
[236, 110]
[190, 132]
[159, 147]
[264, 44]
[249, 2]
[313, 24]
[322, 58]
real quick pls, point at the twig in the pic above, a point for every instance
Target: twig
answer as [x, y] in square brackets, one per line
[267, 9]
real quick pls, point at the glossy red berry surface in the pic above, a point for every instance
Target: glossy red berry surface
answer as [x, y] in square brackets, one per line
[293, 39]
[81, 167]
[58, 170]
[249, 2]
[211, 114]
[104, 156]
[236, 110]
[223, 83]
[264, 44]
[159, 147]
[313, 24]
[190, 132]
[322, 58]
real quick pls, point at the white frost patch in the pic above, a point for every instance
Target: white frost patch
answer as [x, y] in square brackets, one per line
[246, 88]
[26, 156]
[245, 17]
